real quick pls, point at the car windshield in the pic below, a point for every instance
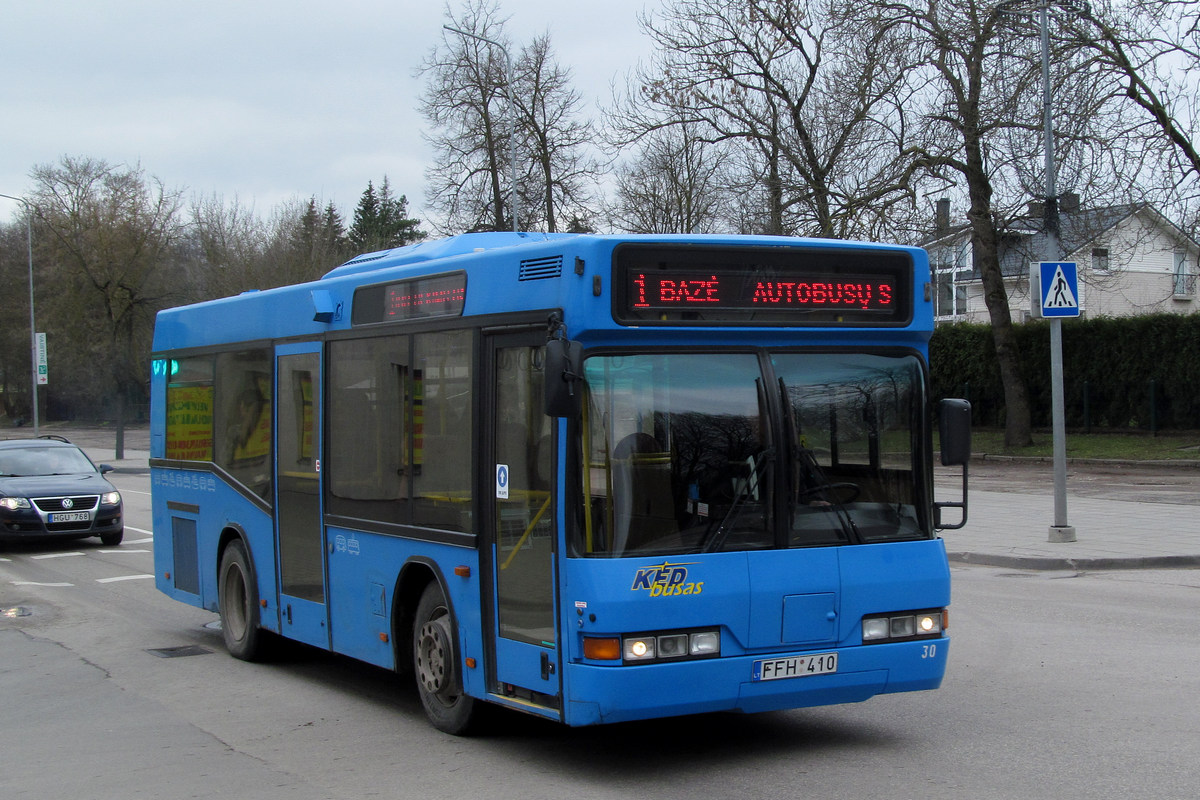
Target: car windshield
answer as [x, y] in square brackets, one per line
[48, 460]
[707, 452]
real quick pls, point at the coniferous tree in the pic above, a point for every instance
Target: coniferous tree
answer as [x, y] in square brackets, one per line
[381, 221]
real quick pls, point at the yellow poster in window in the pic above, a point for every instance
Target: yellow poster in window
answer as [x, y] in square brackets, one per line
[306, 423]
[252, 432]
[190, 423]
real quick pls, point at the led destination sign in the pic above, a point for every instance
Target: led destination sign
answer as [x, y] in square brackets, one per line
[670, 290]
[416, 298]
[733, 286]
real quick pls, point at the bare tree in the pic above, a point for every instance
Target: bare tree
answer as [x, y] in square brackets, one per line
[554, 141]
[964, 48]
[465, 102]
[811, 91]
[486, 128]
[225, 243]
[110, 249]
[229, 248]
[675, 184]
[1149, 51]
[15, 367]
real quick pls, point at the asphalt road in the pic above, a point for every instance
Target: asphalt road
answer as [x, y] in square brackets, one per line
[1059, 686]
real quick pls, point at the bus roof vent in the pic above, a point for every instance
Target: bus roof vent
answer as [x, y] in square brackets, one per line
[537, 269]
[366, 258]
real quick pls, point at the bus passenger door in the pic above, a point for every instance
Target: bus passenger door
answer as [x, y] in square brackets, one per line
[299, 532]
[521, 524]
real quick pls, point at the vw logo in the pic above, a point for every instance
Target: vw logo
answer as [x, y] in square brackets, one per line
[68, 503]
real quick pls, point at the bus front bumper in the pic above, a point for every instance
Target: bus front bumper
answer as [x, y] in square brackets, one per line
[619, 693]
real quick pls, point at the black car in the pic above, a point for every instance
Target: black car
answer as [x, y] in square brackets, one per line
[50, 490]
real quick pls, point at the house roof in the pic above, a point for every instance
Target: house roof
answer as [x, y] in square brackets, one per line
[1024, 240]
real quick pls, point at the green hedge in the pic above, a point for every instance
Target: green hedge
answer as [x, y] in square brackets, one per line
[1128, 372]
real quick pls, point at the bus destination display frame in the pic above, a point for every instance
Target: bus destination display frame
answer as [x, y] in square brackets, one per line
[721, 286]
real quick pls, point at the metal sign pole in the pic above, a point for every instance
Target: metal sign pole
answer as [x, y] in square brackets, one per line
[1060, 531]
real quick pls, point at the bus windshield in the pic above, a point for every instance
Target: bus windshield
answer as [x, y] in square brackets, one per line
[709, 452]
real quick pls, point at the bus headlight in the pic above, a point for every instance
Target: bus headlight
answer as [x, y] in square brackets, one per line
[657, 646]
[705, 643]
[640, 648]
[904, 626]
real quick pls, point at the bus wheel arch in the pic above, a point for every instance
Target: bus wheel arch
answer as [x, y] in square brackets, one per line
[238, 600]
[430, 632]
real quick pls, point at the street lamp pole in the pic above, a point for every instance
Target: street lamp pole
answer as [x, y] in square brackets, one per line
[32, 326]
[1060, 531]
[512, 112]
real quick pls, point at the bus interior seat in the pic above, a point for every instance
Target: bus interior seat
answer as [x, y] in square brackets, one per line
[644, 506]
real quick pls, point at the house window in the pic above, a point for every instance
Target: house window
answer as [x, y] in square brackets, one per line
[951, 271]
[1100, 259]
[951, 298]
[1184, 278]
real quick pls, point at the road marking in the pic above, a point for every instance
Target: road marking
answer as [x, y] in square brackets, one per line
[5, 559]
[124, 578]
[135, 491]
[123, 551]
[140, 541]
[139, 530]
[55, 555]
[35, 583]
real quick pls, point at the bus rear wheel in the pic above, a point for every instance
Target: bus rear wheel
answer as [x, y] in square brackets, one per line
[435, 662]
[237, 601]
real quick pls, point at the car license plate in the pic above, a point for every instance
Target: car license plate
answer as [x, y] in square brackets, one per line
[774, 669]
[71, 516]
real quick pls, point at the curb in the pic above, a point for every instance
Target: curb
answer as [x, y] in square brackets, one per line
[1051, 563]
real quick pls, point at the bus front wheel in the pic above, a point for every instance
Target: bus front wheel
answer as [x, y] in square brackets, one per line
[435, 662]
[237, 600]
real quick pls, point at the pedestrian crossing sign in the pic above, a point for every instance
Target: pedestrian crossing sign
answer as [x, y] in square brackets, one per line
[1059, 288]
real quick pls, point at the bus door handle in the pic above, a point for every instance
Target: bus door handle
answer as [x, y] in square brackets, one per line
[547, 666]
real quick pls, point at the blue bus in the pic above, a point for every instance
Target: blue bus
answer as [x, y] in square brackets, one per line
[590, 478]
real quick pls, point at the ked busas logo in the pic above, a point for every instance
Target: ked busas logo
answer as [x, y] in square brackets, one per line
[666, 580]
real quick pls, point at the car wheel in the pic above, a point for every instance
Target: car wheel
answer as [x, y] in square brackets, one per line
[435, 662]
[112, 539]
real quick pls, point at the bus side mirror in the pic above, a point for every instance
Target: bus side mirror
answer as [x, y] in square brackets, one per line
[564, 359]
[954, 431]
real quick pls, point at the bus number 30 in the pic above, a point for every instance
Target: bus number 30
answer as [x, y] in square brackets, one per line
[930, 651]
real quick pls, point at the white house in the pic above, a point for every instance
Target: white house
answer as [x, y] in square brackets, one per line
[1131, 260]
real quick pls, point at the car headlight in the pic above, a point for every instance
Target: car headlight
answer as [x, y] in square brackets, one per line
[14, 503]
[110, 498]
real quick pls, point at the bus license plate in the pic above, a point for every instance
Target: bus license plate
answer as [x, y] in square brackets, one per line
[795, 667]
[71, 516]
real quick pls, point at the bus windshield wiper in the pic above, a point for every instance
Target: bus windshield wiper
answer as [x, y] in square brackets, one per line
[735, 508]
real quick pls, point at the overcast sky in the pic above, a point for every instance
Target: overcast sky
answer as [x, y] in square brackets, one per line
[262, 100]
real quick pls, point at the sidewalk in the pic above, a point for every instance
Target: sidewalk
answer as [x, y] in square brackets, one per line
[1008, 529]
